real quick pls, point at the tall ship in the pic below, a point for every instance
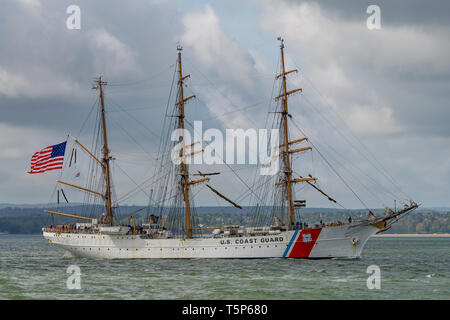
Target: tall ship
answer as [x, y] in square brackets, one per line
[171, 229]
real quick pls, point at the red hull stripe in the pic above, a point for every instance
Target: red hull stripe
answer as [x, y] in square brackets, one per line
[304, 243]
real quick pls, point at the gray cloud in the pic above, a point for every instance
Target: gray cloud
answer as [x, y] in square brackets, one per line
[409, 12]
[390, 86]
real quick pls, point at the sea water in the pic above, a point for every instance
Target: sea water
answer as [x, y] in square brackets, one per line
[410, 268]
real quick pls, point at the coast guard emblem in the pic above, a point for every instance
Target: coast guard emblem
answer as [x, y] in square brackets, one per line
[307, 237]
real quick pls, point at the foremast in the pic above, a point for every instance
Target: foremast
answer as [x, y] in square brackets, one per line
[288, 181]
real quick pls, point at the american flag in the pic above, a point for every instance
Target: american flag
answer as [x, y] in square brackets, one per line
[50, 158]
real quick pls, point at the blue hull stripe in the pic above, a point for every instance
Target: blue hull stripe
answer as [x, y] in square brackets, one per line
[290, 244]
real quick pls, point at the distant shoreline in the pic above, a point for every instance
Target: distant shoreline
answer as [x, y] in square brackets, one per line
[406, 235]
[20, 234]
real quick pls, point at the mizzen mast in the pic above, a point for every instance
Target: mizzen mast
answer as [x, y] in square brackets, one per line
[106, 157]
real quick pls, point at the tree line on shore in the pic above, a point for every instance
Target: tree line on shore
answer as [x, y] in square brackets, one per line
[30, 220]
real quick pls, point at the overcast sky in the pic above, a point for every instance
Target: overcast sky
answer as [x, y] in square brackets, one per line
[371, 98]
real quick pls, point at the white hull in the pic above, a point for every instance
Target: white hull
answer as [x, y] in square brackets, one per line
[345, 241]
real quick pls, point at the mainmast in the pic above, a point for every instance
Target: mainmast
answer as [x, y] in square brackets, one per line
[106, 156]
[185, 174]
